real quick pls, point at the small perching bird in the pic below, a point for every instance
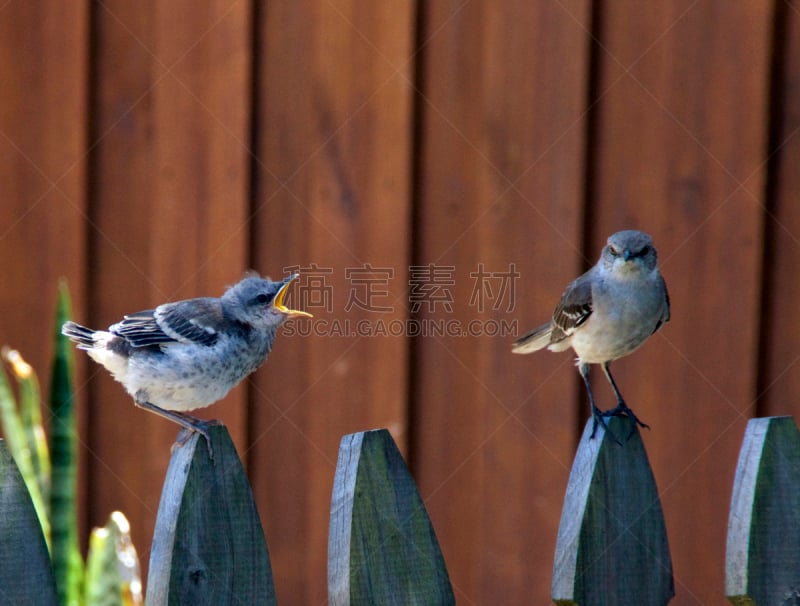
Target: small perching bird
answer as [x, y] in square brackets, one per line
[189, 354]
[607, 313]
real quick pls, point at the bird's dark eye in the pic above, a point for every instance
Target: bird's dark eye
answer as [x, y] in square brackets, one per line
[645, 251]
[614, 252]
[262, 299]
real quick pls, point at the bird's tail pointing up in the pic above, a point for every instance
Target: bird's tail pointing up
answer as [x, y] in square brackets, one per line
[535, 340]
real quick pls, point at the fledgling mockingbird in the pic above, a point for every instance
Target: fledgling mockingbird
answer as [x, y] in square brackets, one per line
[607, 313]
[189, 354]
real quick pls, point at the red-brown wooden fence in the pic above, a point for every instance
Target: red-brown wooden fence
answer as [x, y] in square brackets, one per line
[411, 158]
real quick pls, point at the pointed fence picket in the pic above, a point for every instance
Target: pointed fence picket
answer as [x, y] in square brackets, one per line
[209, 546]
[762, 559]
[612, 540]
[381, 546]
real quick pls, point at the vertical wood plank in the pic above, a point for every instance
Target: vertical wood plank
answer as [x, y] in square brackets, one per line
[779, 383]
[333, 187]
[43, 126]
[502, 109]
[682, 108]
[170, 182]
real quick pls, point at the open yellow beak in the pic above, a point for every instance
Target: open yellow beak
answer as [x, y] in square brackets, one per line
[278, 301]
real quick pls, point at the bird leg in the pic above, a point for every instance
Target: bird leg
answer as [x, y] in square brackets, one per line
[192, 424]
[597, 415]
[622, 409]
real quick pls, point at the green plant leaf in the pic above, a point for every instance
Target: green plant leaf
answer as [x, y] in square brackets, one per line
[18, 433]
[30, 406]
[67, 562]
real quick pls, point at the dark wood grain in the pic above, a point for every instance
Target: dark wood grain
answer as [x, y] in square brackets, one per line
[43, 125]
[779, 381]
[500, 188]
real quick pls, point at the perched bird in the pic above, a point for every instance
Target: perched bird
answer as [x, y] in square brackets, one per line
[607, 313]
[189, 354]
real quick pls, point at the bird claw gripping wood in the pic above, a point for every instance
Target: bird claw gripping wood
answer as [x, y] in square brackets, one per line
[622, 410]
[201, 427]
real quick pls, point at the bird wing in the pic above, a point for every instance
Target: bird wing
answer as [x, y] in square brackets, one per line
[665, 316]
[195, 321]
[141, 329]
[574, 308]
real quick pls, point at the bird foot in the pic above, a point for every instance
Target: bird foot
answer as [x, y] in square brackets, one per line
[197, 426]
[598, 418]
[622, 410]
[189, 423]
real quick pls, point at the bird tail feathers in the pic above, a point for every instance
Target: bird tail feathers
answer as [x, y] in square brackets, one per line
[83, 336]
[537, 339]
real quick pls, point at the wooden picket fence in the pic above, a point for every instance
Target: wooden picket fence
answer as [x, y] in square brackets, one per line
[209, 546]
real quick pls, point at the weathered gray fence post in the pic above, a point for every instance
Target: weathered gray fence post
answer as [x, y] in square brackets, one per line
[26, 577]
[762, 560]
[612, 542]
[208, 546]
[381, 546]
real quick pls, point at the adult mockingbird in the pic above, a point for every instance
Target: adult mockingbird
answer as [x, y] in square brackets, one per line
[607, 313]
[189, 354]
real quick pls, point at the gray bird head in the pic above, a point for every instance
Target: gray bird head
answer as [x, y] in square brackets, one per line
[629, 252]
[259, 302]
